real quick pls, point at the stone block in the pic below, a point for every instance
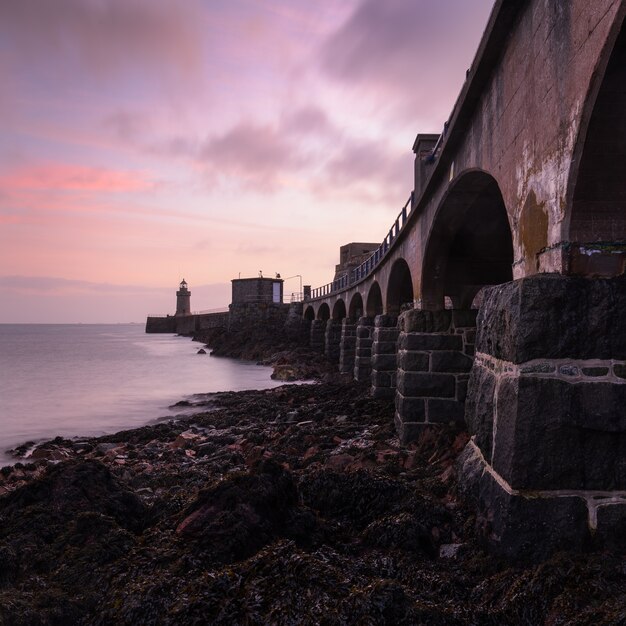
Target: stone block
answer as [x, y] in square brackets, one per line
[464, 318]
[450, 361]
[416, 321]
[428, 341]
[445, 411]
[611, 525]
[553, 434]
[365, 321]
[364, 343]
[461, 389]
[410, 409]
[479, 407]
[384, 362]
[386, 321]
[383, 392]
[364, 332]
[386, 334]
[515, 525]
[408, 431]
[426, 385]
[381, 379]
[554, 316]
[385, 347]
[411, 361]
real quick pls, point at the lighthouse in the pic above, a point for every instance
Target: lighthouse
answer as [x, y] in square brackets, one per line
[183, 300]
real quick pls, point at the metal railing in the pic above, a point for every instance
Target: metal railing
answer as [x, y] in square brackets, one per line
[367, 267]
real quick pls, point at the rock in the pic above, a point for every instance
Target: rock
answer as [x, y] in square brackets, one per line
[201, 351]
[449, 550]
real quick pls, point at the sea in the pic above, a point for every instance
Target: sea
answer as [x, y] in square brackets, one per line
[94, 379]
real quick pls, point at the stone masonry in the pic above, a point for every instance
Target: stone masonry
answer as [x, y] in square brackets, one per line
[435, 357]
[363, 355]
[546, 407]
[384, 356]
[317, 336]
[332, 340]
[348, 346]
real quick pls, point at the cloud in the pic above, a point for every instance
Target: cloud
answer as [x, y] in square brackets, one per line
[126, 125]
[403, 53]
[70, 177]
[306, 120]
[257, 155]
[102, 37]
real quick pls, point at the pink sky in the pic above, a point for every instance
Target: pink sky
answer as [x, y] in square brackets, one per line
[142, 141]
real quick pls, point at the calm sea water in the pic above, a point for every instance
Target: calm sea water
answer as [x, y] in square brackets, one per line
[65, 379]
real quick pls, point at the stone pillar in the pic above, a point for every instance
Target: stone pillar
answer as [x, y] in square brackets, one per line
[317, 336]
[363, 355]
[332, 340]
[546, 408]
[384, 356]
[434, 360]
[347, 348]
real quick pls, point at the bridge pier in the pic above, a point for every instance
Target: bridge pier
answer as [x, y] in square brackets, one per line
[384, 356]
[546, 406]
[347, 348]
[332, 340]
[435, 356]
[317, 335]
[363, 355]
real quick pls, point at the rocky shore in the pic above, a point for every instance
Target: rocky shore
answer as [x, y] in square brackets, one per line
[295, 505]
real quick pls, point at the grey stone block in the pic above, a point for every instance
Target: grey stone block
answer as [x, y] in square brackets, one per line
[553, 316]
[428, 341]
[386, 334]
[425, 321]
[386, 321]
[384, 362]
[413, 361]
[519, 526]
[552, 434]
[426, 384]
[611, 525]
[408, 431]
[410, 409]
[384, 347]
[479, 407]
[450, 361]
[445, 411]
[364, 333]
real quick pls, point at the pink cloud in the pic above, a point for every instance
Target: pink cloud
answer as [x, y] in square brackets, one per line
[69, 177]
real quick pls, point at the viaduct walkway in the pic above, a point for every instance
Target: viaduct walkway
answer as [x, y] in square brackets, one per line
[498, 296]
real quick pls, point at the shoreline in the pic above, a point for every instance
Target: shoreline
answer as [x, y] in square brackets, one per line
[292, 504]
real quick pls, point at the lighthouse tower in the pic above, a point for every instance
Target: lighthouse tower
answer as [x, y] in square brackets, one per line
[183, 300]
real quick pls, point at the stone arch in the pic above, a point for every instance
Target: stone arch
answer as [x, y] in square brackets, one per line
[399, 287]
[356, 310]
[374, 301]
[309, 314]
[597, 181]
[339, 310]
[323, 313]
[469, 244]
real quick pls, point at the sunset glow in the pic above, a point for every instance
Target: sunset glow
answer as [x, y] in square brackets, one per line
[146, 140]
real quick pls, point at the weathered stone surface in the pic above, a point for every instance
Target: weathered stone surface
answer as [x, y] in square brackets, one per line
[450, 361]
[416, 321]
[515, 525]
[611, 525]
[441, 411]
[479, 407]
[384, 347]
[425, 384]
[408, 431]
[552, 434]
[413, 361]
[386, 334]
[410, 409]
[428, 341]
[384, 362]
[582, 318]
[386, 321]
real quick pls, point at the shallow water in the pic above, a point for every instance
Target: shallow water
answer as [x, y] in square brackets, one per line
[91, 379]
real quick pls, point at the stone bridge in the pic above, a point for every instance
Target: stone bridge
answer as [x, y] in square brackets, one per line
[498, 296]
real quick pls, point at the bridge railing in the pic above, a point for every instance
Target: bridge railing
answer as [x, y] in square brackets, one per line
[368, 266]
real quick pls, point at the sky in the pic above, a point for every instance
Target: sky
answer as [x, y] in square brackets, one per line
[143, 141]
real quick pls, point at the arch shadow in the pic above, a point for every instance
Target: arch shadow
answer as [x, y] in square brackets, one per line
[399, 288]
[374, 305]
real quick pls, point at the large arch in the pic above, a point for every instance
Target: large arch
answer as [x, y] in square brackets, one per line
[355, 310]
[470, 243]
[323, 313]
[399, 287]
[339, 310]
[598, 178]
[309, 313]
[374, 305]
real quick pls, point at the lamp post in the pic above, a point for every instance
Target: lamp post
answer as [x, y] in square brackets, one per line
[296, 276]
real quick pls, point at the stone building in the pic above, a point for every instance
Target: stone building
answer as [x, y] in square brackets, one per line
[352, 255]
[258, 290]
